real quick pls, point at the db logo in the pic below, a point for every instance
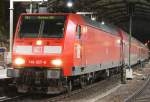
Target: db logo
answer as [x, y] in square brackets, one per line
[37, 49]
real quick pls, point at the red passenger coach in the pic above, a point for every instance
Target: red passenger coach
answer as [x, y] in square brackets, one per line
[52, 52]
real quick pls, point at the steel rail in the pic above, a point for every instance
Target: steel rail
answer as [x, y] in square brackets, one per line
[10, 99]
[67, 95]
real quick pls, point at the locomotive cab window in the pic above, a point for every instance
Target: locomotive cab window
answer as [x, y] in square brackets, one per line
[78, 35]
[49, 26]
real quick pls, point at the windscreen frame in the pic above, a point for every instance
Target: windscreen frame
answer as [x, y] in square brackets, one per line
[43, 17]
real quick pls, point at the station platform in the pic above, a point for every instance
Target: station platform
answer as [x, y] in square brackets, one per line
[3, 73]
[126, 90]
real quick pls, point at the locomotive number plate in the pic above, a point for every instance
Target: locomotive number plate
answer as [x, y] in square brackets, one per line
[37, 62]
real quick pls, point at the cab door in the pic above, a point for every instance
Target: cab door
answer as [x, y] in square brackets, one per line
[79, 47]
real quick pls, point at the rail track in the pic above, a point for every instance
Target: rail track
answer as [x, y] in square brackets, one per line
[141, 95]
[11, 99]
[8, 93]
[86, 90]
[61, 97]
[64, 97]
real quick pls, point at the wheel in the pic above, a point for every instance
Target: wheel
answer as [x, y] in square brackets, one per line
[90, 81]
[83, 82]
[69, 86]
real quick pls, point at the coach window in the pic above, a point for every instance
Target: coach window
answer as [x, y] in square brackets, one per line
[78, 32]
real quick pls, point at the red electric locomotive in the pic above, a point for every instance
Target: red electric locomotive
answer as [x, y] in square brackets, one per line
[51, 51]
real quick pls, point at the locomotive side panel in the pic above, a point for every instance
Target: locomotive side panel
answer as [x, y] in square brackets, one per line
[106, 48]
[100, 50]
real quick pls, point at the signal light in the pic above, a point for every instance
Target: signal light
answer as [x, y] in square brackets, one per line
[69, 4]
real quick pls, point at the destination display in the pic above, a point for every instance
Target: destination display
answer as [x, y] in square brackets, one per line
[43, 17]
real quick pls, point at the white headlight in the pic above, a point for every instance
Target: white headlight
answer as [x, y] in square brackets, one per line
[38, 42]
[57, 62]
[19, 61]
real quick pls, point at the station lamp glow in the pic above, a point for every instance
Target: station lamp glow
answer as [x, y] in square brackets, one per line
[69, 4]
[102, 22]
[93, 18]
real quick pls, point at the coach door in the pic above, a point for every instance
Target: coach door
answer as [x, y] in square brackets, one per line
[80, 45]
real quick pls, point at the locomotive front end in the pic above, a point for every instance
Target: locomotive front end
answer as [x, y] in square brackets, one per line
[37, 56]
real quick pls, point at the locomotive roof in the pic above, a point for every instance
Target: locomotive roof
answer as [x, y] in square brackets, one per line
[105, 27]
[108, 28]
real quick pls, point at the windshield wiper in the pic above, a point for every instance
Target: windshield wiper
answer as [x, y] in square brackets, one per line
[41, 28]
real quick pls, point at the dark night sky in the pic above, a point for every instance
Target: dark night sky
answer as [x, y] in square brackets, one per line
[140, 28]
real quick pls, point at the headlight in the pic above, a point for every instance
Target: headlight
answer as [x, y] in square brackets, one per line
[38, 42]
[19, 61]
[56, 62]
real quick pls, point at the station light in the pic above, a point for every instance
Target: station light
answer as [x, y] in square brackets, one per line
[69, 4]
[93, 18]
[102, 22]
